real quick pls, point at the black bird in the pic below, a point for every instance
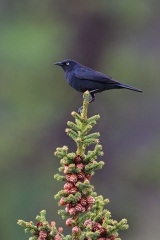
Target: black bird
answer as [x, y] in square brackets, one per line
[82, 79]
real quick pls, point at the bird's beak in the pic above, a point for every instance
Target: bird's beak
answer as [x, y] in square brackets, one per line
[58, 63]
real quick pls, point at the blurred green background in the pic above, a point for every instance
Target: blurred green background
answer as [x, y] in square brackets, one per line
[119, 38]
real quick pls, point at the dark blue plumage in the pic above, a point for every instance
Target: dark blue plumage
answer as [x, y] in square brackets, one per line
[82, 79]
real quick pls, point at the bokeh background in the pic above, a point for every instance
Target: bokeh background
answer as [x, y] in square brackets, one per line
[120, 38]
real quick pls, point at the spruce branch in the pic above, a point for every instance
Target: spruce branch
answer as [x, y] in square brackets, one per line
[84, 211]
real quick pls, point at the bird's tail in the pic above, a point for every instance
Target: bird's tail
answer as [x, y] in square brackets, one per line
[121, 85]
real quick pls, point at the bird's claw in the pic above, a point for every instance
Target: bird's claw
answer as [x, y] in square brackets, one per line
[80, 110]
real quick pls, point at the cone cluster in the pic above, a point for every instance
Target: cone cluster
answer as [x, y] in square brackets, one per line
[77, 191]
[77, 195]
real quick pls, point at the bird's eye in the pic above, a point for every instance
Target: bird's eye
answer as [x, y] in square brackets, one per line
[67, 63]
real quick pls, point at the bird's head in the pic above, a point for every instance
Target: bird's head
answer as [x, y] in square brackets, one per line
[67, 65]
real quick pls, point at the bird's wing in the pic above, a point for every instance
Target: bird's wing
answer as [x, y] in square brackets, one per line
[89, 74]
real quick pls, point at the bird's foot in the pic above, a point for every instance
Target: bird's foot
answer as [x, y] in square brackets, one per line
[80, 110]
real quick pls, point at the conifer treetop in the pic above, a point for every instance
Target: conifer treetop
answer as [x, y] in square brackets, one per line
[81, 207]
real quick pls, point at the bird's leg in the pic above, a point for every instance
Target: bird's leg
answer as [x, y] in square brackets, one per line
[92, 97]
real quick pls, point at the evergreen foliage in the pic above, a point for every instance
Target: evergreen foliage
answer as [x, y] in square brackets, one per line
[84, 210]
